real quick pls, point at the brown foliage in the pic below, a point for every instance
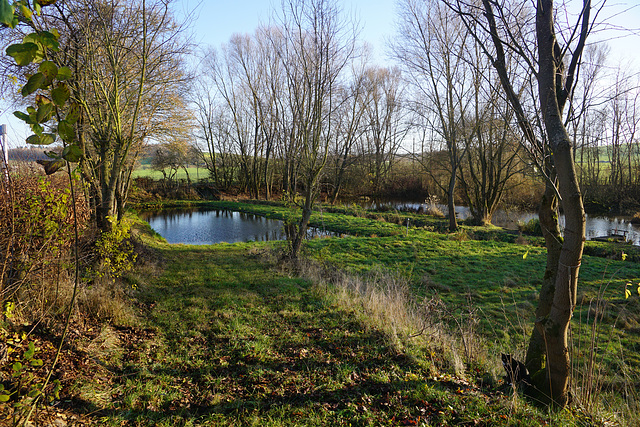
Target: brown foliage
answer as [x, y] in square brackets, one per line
[36, 239]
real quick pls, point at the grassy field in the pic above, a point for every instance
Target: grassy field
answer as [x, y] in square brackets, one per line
[386, 325]
[195, 174]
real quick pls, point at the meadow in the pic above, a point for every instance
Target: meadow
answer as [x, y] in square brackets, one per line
[384, 324]
[237, 337]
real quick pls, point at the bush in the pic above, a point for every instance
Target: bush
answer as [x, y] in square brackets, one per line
[36, 240]
[532, 227]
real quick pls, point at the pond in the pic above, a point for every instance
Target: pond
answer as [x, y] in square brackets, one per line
[208, 226]
[596, 226]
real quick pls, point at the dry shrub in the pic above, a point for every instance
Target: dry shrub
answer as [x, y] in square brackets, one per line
[36, 241]
[432, 208]
[520, 240]
[104, 301]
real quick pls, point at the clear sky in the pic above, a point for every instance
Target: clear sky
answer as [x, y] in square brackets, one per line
[218, 20]
[215, 21]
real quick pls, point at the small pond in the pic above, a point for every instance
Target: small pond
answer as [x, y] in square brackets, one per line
[596, 226]
[208, 226]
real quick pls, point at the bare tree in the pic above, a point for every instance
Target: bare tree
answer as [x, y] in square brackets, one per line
[431, 47]
[319, 45]
[554, 58]
[385, 127]
[352, 99]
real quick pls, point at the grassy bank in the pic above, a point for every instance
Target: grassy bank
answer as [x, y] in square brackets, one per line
[228, 338]
[387, 325]
[489, 283]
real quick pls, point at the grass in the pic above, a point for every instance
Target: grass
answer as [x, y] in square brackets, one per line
[236, 341]
[387, 325]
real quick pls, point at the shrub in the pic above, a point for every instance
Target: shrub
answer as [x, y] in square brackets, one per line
[36, 240]
[115, 249]
[532, 227]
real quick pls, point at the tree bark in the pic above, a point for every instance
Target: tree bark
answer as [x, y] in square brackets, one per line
[554, 327]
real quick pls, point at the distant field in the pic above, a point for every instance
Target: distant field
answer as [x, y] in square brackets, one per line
[195, 174]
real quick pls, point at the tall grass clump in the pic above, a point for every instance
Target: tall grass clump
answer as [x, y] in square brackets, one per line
[611, 395]
[432, 208]
[421, 328]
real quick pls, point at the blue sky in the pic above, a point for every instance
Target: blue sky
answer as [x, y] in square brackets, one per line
[217, 20]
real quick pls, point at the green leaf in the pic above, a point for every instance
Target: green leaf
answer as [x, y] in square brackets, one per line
[45, 38]
[26, 12]
[36, 363]
[44, 112]
[64, 73]
[49, 69]
[4, 397]
[33, 140]
[74, 114]
[44, 139]
[30, 352]
[37, 128]
[23, 53]
[72, 153]
[22, 116]
[60, 94]
[17, 366]
[33, 84]
[66, 131]
[6, 13]
[47, 138]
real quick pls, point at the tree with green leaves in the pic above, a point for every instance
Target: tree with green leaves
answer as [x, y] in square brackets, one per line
[119, 64]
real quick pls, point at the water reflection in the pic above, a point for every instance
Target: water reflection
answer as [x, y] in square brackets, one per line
[208, 226]
[596, 226]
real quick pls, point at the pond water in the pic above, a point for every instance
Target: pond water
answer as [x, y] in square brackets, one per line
[208, 226]
[596, 226]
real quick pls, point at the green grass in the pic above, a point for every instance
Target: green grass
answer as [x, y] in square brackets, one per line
[195, 174]
[238, 341]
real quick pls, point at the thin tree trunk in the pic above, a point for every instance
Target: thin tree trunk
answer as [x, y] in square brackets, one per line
[453, 224]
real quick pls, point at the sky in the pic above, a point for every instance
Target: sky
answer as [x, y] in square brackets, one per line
[218, 20]
[215, 21]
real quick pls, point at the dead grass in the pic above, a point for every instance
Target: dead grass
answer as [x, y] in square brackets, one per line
[105, 301]
[384, 300]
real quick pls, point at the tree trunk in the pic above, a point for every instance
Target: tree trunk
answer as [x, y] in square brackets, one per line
[453, 224]
[548, 216]
[555, 326]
